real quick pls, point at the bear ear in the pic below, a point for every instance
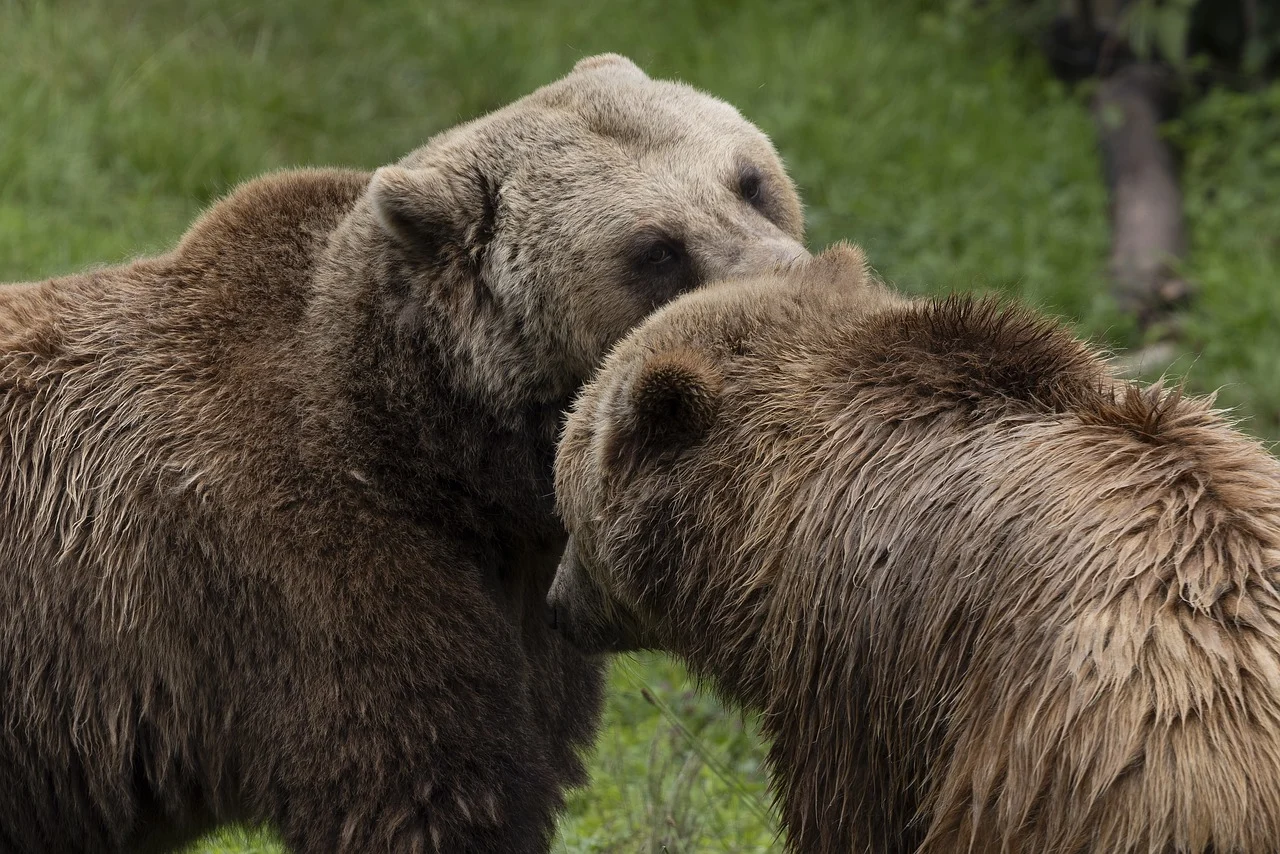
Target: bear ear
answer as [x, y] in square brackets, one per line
[842, 264]
[609, 61]
[671, 404]
[426, 210]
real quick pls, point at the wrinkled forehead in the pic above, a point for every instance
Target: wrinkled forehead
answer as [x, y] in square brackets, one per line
[650, 118]
[610, 119]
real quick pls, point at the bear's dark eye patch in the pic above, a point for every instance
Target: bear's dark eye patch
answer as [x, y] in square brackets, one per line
[658, 254]
[660, 266]
[751, 186]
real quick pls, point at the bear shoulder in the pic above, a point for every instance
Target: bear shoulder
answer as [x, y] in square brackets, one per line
[273, 214]
[978, 353]
[25, 308]
[260, 239]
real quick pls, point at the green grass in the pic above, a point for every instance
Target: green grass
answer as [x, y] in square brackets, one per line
[941, 146]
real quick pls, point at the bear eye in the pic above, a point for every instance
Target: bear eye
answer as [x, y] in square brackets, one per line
[661, 266]
[660, 254]
[751, 186]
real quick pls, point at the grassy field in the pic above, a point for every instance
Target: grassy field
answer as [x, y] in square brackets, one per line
[941, 146]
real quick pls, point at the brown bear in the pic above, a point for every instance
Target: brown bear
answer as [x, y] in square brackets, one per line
[276, 514]
[985, 596]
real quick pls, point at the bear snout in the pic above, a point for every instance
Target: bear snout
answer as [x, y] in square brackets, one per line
[776, 253]
[559, 619]
[556, 607]
[576, 607]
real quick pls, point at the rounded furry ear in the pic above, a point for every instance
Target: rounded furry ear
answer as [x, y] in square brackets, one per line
[676, 394]
[670, 404]
[841, 263]
[429, 208]
[611, 61]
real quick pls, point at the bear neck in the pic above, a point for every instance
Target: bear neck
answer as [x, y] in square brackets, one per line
[419, 400]
[803, 701]
[834, 792]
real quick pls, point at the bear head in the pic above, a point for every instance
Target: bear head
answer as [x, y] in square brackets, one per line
[542, 232]
[645, 469]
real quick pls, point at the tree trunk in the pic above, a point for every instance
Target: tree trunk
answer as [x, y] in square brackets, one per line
[1146, 204]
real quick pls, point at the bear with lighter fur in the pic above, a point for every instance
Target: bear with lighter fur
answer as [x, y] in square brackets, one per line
[276, 514]
[985, 596]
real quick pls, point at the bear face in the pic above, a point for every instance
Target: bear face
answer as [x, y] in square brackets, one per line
[985, 596]
[568, 216]
[498, 263]
[651, 423]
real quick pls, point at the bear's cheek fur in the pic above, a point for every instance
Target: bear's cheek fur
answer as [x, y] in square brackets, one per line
[596, 599]
[641, 546]
[642, 564]
[575, 303]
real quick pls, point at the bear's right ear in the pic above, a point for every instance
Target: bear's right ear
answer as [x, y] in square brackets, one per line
[671, 404]
[426, 209]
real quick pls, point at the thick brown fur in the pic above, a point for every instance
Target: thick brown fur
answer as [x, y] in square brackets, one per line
[985, 596]
[276, 519]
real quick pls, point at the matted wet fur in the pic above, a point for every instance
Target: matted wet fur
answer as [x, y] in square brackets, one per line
[276, 519]
[985, 596]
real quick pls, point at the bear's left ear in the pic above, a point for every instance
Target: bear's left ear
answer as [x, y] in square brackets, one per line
[609, 62]
[428, 210]
[670, 405]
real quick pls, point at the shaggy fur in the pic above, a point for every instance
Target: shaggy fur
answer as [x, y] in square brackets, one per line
[276, 524]
[986, 597]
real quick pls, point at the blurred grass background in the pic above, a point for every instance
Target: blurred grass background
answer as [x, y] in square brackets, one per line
[938, 142]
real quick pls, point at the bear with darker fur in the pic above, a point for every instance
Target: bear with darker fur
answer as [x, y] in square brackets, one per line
[986, 596]
[276, 518]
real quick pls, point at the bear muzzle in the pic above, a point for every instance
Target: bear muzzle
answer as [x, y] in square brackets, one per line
[580, 610]
[773, 253]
